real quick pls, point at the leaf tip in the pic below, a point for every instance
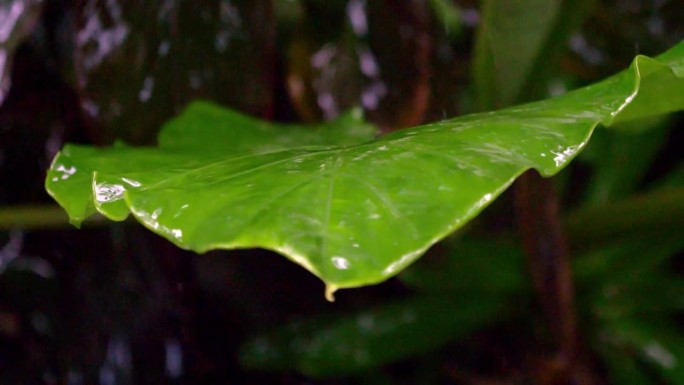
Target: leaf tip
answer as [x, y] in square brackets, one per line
[330, 292]
[76, 222]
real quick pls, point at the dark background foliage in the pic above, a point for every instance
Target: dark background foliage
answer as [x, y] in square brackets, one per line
[115, 304]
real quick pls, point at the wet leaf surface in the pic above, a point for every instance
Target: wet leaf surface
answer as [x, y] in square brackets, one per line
[353, 215]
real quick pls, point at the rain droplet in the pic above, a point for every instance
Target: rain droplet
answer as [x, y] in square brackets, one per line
[340, 263]
[108, 192]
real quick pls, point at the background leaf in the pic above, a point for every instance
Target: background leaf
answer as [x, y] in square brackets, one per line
[655, 210]
[659, 344]
[509, 41]
[338, 345]
[620, 159]
[473, 266]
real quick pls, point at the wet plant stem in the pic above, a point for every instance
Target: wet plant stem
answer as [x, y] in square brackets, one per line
[549, 265]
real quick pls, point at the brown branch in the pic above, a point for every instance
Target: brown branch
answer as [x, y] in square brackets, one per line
[414, 15]
[549, 264]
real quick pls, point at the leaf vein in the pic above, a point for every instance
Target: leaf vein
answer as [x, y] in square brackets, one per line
[387, 201]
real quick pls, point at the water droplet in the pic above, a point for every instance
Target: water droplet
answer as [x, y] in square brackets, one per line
[108, 192]
[174, 358]
[178, 233]
[146, 91]
[156, 213]
[164, 48]
[340, 262]
[66, 172]
[132, 182]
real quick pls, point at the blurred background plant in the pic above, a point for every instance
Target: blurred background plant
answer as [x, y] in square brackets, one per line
[114, 304]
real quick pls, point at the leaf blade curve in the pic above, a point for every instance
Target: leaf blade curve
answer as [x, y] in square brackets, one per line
[358, 213]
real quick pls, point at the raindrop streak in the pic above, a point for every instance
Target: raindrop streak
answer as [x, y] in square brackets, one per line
[230, 27]
[164, 48]
[12, 249]
[117, 366]
[9, 19]
[99, 41]
[75, 378]
[4, 75]
[174, 359]
[146, 91]
[368, 64]
[356, 12]
[659, 354]
[590, 54]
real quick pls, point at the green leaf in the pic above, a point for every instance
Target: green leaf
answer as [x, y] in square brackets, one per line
[449, 15]
[204, 133]
[338, 345]
[624, 368]
[657, 210]
[631, 276]
[509, 40]
[655, 293]
[206, 127]
[673, 179]
[471, 266]
[627, 258]
[519, 48]
[357, 214]
[620, 159]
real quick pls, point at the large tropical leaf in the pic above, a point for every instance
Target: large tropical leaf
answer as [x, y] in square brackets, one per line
[357, 213]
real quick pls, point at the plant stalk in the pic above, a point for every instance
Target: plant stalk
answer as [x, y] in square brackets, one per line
[549, 265]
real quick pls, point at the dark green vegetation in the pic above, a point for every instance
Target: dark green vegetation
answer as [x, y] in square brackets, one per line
[589, 292]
